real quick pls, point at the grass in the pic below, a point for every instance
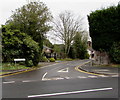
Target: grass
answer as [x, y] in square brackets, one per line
[12, 66]
[3, 73]
[66, 59]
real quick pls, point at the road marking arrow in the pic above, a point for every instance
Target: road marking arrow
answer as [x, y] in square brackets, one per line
[63, 70]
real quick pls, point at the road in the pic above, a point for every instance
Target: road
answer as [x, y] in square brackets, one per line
[60, 80]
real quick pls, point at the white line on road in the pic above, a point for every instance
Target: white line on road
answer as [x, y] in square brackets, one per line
[93, 76]
[103, 76]
[73, 92]
[43, 78]
[115, 76]
[9, 82]
[82, 77]
[29, 81]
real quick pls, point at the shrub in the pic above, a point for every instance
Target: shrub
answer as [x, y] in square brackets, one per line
[115, 53]
[19, 45]
[87, 56]
[44, 59]
[52, 60]
[32, 51]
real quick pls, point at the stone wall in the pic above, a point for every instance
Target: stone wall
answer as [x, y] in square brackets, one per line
[101, 58]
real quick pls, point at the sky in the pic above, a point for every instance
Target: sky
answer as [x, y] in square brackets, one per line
[78, 7]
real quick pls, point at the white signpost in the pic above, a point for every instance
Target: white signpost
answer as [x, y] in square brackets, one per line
[21, 59]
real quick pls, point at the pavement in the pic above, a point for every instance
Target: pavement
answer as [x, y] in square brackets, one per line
[100, 70]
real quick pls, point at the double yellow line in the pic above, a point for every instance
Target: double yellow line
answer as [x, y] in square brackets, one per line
[18, 72]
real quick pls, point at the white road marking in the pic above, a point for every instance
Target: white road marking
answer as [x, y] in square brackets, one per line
[29, 81]
[115, 76]
[82, 77]
[48, 79]
[103, 76]
[73, 92]
[43, 78]
[63, 70]
[67, 77]
[9, 82]
[93, 76]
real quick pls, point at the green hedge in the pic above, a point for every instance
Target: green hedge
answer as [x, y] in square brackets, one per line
[51, 59]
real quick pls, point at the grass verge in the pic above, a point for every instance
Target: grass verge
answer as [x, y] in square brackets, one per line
[66, 59]
[12, 66]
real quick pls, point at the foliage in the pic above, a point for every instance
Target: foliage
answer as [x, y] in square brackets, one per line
[72, 53]
[66, 27]
[32, 19]
[87, 56]
[47, 43]
[115, 52]
[80, 46]
[19, 45]
[105, 27]
[105, 31]
[23, 34]
[32, 51]
[52, 59]
[44, 59]
[59, 48]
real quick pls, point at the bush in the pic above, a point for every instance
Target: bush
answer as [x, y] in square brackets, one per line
[44, 59]
[19, 45]
[29, 63]
[52, 60]
[31, 50]
[87, 56]
[115, 53]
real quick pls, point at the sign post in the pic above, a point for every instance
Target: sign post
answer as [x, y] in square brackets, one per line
[22, 59]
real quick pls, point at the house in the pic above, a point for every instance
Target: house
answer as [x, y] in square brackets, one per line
[98, 56]
[49, 52]
[90, 50]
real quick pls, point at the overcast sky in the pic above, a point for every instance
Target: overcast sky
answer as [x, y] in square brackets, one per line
[78, 7]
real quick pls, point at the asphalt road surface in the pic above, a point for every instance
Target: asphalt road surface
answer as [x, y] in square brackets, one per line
[60, 80]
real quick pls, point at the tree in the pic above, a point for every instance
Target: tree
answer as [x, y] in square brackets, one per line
[32, 19]
[115, 52]
[19, 45]
[66, 27]
[47, 43]
[80, 46]
[105, 29]
[59, 49]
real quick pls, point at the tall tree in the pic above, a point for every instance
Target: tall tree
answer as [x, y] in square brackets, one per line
[32, 19]
[19, 45]
[105, 30]
[105, 27]
[80, 46]
[66, 27]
